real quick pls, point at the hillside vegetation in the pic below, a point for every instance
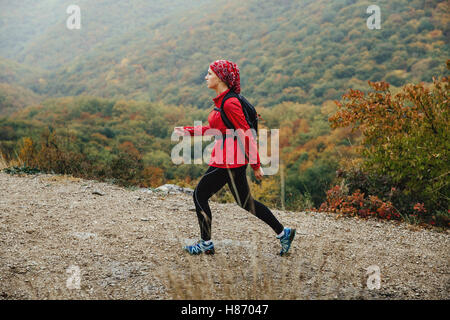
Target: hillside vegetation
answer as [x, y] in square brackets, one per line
[299, 51]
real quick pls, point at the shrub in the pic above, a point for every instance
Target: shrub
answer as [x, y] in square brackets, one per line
[406, 141]
[356, 204]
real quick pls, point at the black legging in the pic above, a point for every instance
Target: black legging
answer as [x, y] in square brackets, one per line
[212, 181]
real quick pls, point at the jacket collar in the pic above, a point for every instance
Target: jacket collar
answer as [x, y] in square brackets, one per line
[218, 100]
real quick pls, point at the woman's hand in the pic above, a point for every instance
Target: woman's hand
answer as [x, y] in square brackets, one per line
[180, 131]
[259, 173]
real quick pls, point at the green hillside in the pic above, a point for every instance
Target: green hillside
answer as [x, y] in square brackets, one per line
[12, 72]
[24, 22]
[300, 51]
[18, 83]
[35, 32]
[15, 98]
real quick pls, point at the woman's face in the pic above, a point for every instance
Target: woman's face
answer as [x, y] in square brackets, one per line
[212, 80]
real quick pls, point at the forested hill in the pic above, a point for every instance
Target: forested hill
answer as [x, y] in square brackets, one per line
[17, 82]
[302, 51]
[35, 32]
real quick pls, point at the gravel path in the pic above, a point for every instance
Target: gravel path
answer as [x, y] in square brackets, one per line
[69, 238]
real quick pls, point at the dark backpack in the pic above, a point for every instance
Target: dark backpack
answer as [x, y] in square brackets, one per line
[248, 109]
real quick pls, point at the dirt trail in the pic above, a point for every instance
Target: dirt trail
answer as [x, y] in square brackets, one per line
[126, 244]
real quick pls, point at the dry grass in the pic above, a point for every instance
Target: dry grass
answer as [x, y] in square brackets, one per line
[254, 274]
[62, 178]
[224, 276]
[229, 282]
[19, 163]
[6, 164]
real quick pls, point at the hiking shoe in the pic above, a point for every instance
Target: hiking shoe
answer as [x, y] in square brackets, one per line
[200, 247]
[286, 240]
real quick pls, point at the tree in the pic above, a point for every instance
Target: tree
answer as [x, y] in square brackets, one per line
[406, 136]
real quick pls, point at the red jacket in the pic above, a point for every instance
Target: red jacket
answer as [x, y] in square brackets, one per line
[233, 110]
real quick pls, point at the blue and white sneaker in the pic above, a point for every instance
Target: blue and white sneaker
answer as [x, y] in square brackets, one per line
[286, 240]
[200, 247]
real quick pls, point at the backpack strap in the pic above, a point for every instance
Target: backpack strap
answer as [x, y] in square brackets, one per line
[225, 119]
[223, 115]
[227, 122]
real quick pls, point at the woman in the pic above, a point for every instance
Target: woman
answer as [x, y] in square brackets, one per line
[223, 76]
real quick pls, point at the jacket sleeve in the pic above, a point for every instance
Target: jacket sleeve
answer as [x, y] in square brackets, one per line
[233, 110]
[202, 129]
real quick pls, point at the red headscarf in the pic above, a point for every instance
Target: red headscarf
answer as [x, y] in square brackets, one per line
[228, 72]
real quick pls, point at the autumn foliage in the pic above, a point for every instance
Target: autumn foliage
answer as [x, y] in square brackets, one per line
[51, 153]
[62, 155]
[357, 204]
[406, 143]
